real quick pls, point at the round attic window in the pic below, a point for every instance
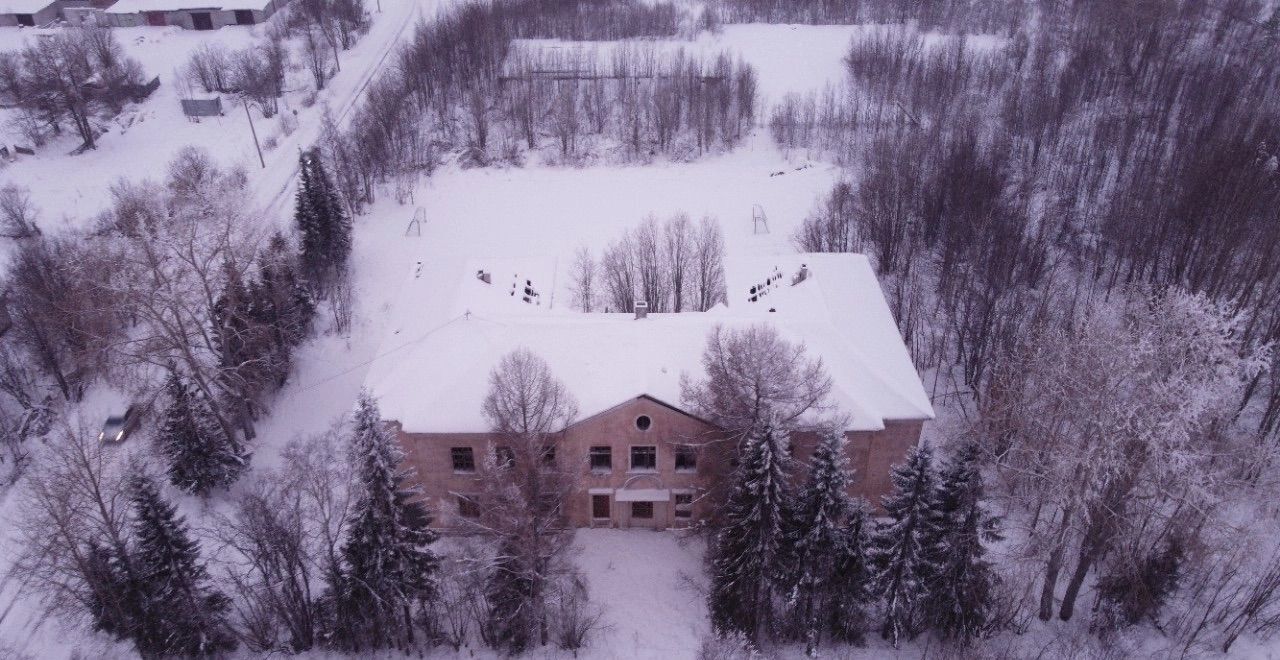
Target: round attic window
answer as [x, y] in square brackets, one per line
[643, 422]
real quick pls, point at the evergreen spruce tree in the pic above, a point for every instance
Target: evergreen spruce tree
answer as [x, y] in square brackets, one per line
[183, 615]
[960, 603]
[819, 535]
[230, 320]
[244, 350]
[323, 223]
[306, 217]
[747, 557]
[831, 579]
[388, 563]
[509, 592]
[114, 598]
[904, 549]
[201, 456]
[280, 304]
[847, 615]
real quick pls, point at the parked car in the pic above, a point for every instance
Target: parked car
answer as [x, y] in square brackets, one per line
[118, 427]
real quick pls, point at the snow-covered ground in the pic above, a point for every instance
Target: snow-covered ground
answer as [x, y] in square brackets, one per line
[71, 189]
[648, 581]
[653, 591]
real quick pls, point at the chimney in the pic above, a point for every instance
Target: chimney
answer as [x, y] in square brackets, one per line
[642, 309]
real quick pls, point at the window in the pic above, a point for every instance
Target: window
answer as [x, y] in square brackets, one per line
[467, 507]
[686, 459]
[644, 459]
[600, 507]
[464, 460]
[643, 422]
[642, 510]
[601, 459]
[684, 505]
[504, 456]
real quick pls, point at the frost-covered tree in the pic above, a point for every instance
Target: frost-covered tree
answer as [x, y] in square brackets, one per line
[171, 270]
[522, 497]
[280, 303]
[388, 565]
[748, 555]
[904, 548]
[183, 614]
[850, 586]
[819, 536]
[961, 599]
[245, 356]
[114, 596]
[583, 280]
[755, 377]
[323, 223]
[200, 456]
[1131, 403]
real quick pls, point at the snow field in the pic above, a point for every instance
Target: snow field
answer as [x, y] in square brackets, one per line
[638, 576]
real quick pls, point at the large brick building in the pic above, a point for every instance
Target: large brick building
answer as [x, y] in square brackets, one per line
[641, 460]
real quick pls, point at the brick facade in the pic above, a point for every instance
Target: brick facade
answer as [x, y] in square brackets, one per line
[639, 495]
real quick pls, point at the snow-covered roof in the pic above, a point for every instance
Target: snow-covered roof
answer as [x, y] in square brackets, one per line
[434, 379]
[23, 6]
[136, 6]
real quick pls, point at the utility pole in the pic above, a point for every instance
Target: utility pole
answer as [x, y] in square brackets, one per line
[254, 132]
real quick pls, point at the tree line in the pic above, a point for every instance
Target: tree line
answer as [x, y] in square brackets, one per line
[1074, 230]
[461, 85]
[982, 16]
[333, 549]
[792, 557]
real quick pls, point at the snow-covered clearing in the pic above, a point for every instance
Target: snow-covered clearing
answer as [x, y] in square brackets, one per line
[650, 585]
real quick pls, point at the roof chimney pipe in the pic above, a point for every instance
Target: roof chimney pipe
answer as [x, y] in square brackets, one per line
[642, 309]
[801, 276]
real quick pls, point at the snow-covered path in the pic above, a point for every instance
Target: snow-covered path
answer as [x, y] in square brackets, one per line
[273, 186]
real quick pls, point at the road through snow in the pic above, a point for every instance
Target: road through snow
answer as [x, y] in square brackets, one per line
[274, 184]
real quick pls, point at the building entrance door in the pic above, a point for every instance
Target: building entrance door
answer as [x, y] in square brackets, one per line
[202, 20]
[600, 507]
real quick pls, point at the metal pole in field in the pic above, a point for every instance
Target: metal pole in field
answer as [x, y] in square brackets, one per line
[254, 132]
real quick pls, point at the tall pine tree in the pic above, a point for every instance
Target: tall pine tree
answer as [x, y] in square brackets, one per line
[323, 223]
[183, 615]
[201, 456]
[828, 546]
[748, 576]
[960, 604]
[280, 303]
[114, 598]
[244, 349]
[388, 564]
[904, 549]
[851, 581]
